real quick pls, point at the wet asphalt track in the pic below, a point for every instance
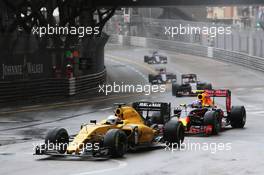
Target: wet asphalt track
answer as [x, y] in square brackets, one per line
[24, 128]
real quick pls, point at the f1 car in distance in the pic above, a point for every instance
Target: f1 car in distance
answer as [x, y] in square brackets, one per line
[155, 58]
[189, 84]
[203, 116]
[162, 77]
[112, 137]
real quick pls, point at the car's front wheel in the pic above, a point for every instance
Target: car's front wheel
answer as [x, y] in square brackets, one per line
[238, 116]
[175, 88]
[116, 141]
[174, 132]
[212, 118]
[57, 139]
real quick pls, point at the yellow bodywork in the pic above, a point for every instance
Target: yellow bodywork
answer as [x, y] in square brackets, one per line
[184, 121]
[95, 132]
[205, 99]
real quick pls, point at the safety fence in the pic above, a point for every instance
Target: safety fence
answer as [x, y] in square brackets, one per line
[248, 41]
[243, 59]
[50, 88]
[87, 84]
[252, 62]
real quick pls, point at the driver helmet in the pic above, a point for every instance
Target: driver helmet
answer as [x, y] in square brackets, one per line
[112, 120]
[196, 104]
[162, 70]
[192, 80]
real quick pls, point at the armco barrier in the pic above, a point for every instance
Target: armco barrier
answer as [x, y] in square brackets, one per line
[252, 62]
[37, 89]
[32, 89]
[242, 59]
[87, 83]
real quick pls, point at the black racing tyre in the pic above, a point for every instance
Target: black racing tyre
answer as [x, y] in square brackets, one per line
[238, 116]
[175, 88]
[209, 86]
[57, 138]
[178, 95]
[146, 59]
[172, 77]
[174, 132]
[202, 86]
[165, 61]
[155, 118]
[116, 141]
[188, 89]
[151, 78]
[212, 118]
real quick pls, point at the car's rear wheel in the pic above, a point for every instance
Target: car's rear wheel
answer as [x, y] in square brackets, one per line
[174, 132]
[151, 78]
[175, 89]
[58, 139]
[238, 116]
[116, 141]
[146, 59]
[172, 78]
[212, 118]
[155, 118]
[209, 86]
[164, 60]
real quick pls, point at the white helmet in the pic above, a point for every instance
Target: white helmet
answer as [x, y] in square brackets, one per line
[112, 120]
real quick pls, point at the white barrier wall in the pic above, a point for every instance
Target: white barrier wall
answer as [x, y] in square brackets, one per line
[243, 59]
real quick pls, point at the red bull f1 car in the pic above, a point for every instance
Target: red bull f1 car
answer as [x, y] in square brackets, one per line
[189, 84]
[203, 116]
[155, 58]
[162, 77]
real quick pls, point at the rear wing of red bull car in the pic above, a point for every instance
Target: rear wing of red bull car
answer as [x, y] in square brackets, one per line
[226, 93]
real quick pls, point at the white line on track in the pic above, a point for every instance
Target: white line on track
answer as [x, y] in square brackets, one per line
[32, 106]
[239, 89]
[130, 67]
[105, 109]
[257, 89]
[254, 108]
[121, 164]
[140, 73]
[256, 112]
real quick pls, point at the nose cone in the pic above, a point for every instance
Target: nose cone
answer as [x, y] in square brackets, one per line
[80, 139]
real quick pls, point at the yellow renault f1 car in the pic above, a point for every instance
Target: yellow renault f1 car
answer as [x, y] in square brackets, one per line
[112, 137]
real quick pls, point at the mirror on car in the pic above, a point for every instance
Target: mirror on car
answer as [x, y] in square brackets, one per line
[183, 105]
[82, 125]
[119, 122]
[177, 112]
[93, 121]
